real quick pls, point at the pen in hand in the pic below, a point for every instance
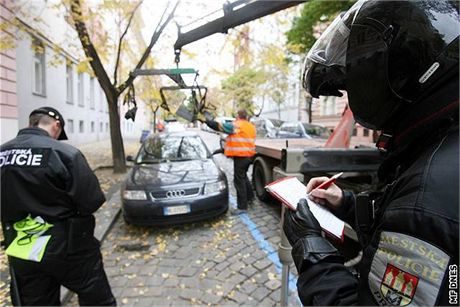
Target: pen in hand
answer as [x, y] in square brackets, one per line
[326, 184]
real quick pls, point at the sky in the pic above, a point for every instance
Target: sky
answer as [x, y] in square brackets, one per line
[207, 52]
[211, 52]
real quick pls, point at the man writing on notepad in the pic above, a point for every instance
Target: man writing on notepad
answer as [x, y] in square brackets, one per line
[398, 62]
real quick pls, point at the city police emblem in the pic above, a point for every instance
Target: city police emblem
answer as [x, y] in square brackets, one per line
[398, 287]
[406, 271]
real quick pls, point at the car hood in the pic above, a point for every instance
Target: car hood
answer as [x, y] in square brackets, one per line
[171, 173]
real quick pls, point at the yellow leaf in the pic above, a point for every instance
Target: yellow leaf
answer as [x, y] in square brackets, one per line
[272, 276]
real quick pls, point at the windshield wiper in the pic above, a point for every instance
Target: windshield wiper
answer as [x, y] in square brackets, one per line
[153, 161]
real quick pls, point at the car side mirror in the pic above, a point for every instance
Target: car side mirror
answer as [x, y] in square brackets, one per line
[218, 151]
[129, 158]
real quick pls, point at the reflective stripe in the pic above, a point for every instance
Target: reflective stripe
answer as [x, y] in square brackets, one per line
[243, 140]
[38, 248]
[238, 148]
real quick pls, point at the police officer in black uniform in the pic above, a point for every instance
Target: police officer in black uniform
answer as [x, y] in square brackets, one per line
[398, 62]
[48, 185]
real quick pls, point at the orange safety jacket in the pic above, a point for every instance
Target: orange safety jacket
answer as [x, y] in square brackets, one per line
[242, 142]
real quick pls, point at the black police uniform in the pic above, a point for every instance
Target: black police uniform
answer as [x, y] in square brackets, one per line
[412, 247]
[44, 177]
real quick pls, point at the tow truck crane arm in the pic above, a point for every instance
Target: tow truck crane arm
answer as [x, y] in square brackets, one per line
[233, 18]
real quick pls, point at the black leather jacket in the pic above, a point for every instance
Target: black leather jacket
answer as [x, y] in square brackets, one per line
[42, 176]
[413, 244]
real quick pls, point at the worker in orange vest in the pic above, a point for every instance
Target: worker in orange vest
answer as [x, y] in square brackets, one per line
[240, 145]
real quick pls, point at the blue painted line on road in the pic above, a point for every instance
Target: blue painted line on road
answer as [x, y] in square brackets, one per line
[263, 244]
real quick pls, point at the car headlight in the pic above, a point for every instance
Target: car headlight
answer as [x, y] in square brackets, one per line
[134, 195]
[214, 187]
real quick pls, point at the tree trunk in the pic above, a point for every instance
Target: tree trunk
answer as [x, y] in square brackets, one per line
[118, 150]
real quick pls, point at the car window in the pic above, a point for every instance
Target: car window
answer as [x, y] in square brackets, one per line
[172, 148]
[290, 127]
[269, 124]
[316, 131]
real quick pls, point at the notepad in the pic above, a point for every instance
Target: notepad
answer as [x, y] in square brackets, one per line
[290, 190]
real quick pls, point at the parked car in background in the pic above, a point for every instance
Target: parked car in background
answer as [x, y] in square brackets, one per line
[174, 180]
[302, 130]
[266, 128]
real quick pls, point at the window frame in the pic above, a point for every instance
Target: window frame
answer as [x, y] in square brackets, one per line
[69, 83]
[39, 59]
[81, 89]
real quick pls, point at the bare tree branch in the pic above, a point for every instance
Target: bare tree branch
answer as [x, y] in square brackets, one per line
[88, 47]
[121, 40]
[144, 57]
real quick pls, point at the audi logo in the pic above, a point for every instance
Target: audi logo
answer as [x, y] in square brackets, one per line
[175, 193]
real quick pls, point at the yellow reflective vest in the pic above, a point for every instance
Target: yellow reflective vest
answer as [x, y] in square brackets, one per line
[242, 142]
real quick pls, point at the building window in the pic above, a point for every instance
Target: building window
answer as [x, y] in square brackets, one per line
[101, 100]
[69, 126]
[92, 127]
[327, 105]
[355, 132]
[69, 83]
[81, 127]
[81, 90]
[330, 108]
[91, 93]
[101, 127]
[106, 127]
[366, 132]
[39, 69]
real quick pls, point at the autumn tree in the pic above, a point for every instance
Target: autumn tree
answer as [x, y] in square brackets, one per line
[113, 87]
[242, 87]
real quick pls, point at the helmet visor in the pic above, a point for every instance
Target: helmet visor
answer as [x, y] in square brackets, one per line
[331, 48]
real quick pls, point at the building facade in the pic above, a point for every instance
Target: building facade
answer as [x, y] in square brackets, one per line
[41, 71]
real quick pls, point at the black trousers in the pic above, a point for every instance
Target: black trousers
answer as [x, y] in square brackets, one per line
[39, 283]
[243, 186]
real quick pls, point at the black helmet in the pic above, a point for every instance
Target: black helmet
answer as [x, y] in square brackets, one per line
[385, 54]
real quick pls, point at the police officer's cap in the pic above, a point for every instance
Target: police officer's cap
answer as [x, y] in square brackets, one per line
[52, 112]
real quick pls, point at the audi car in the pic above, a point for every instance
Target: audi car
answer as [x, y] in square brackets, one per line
[174, 180]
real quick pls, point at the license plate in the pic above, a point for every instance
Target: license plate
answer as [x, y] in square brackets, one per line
[176, 210]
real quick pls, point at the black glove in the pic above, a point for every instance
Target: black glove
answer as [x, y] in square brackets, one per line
[204, 116]
[208, 116]
[304, 233]
[300, 223]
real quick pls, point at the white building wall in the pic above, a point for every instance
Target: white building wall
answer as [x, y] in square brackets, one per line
[56, 93]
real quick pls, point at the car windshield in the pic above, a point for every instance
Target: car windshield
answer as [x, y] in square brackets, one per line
[172, 148]
[316, 131]
[290, 127]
